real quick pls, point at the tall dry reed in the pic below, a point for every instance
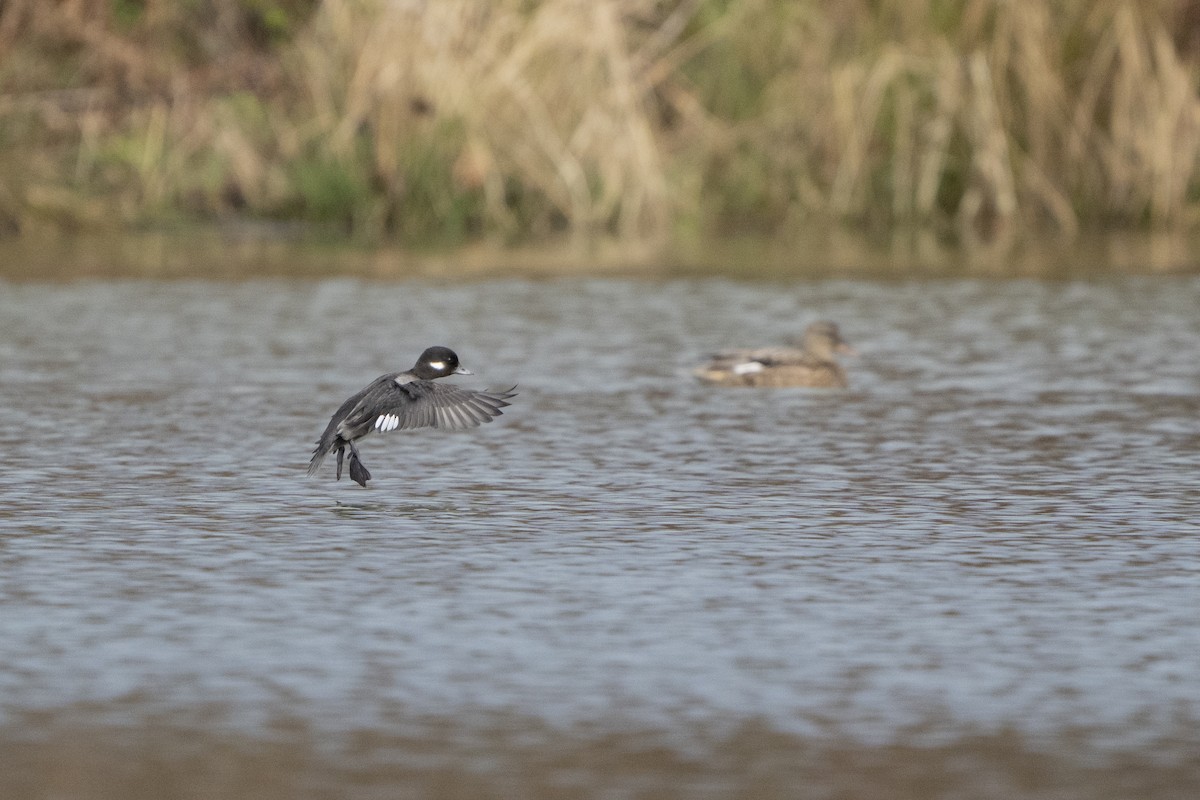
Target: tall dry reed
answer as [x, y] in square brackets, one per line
[540, 101]
[997, 113]
[634, 118]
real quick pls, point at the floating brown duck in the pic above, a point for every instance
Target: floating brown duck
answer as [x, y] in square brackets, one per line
[810, 364]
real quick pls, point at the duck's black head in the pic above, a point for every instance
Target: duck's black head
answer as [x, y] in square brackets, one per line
[438, 362]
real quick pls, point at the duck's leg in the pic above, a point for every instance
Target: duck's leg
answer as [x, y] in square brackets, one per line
[358, 472]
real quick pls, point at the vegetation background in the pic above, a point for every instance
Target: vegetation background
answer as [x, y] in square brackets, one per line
[451, 121]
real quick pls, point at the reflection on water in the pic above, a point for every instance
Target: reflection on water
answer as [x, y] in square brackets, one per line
[979, 561]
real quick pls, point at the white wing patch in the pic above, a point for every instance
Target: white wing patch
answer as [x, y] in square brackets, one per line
[387, 422]
[747, 367]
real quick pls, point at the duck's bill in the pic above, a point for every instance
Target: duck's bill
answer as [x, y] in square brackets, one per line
[463, 371]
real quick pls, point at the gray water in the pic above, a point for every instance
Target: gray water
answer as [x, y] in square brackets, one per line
[985, 552]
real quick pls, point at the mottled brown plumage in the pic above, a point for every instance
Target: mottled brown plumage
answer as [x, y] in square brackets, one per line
[810, 364]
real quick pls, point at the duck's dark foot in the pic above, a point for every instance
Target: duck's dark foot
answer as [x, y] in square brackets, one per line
[341, 452]
[358, 473]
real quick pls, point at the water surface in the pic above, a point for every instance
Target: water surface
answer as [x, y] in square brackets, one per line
[975, 573]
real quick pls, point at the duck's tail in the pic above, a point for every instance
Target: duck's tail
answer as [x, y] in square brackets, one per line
[314, 463]
[325, 446]
[358, 471]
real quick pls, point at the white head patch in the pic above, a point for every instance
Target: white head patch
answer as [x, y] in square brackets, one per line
[746, 367]
[438, 365]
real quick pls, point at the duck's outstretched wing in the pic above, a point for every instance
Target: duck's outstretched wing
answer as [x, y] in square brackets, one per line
[392, 406]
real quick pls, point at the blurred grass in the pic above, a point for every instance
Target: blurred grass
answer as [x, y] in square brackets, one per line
[640, 120]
